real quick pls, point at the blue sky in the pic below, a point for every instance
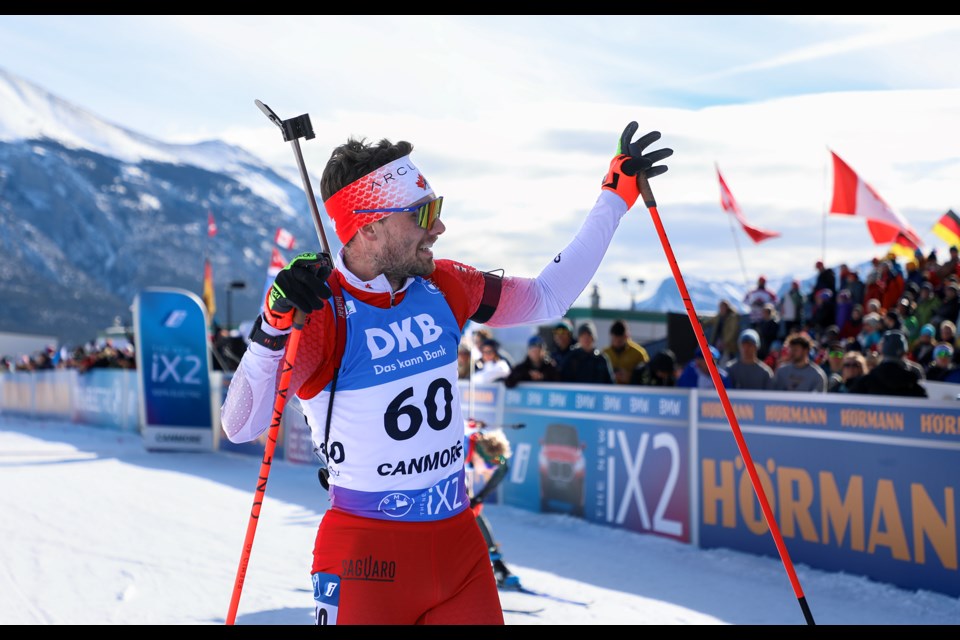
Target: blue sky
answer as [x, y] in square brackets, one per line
[514, 118]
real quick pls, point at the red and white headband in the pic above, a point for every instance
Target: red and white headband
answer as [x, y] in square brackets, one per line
[394, 185]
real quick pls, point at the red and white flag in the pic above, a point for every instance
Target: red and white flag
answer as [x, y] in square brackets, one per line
[277, 262]
[730, 206]
[284, 239]
[211, 225]
[854, 197]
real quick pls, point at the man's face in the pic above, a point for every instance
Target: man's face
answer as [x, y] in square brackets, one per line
[535, 352]
[798, 354]
[562, 337]
[618, 342]
[700, 363]
[748, 350]
[586, 341]
[406, 248]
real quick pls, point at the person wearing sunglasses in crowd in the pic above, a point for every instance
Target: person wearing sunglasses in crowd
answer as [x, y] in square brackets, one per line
[399, 543]
[832, 364]
[853, 368]
[941, 367]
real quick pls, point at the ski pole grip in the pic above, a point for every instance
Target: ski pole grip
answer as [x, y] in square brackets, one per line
[296, 128]
[645, 191]
[299, 319]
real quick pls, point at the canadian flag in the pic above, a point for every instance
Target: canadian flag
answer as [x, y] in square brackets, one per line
[211, 225]
[730, 206]
[284, 239]
[854, 197]
[277, 262]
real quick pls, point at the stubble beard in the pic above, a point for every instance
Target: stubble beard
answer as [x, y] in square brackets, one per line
[397, 265]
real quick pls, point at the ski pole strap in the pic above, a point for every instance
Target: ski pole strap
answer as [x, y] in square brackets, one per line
[340, 317]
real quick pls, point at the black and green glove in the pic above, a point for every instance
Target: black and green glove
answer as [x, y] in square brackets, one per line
[630, 161]
[299, 285]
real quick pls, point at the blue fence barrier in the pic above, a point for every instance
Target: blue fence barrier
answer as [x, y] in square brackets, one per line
[609, 455]
[864, 488]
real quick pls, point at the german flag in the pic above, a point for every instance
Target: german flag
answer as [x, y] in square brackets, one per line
[948, 228]
[903, 246]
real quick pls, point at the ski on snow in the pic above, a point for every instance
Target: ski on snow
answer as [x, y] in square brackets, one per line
[541, 594]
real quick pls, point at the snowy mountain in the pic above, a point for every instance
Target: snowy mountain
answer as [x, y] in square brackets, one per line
[91, 213]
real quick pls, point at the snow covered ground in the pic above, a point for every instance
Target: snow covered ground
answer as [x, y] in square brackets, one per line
[96, 530]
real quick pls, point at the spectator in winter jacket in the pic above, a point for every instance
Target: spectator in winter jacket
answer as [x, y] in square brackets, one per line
[948, 334]
[854, 324]
[906, 307]
[941, 365]
[854, 367]
[697, 373]
[921, 351]
[872, 291]
[791, 311]
[826, 279]
[584, 363]
[824, 310]
[661, 371]
[536, 367]
[891, 283]
[950, 266]
[894, 376]
[844, 307]
[493, 367]
[464, 362]
[927, 304]
[871, 332]
[563, 342]
[854, 285]
[950, 307]
[768, 330]
[722, 330]
[756, 298]
[624, 354]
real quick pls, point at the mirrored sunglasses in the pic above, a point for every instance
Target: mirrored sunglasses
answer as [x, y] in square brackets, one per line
[836, 354]
[427, 213]
[942, 352]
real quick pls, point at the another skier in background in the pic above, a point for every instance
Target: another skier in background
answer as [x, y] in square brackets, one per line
[486, 466]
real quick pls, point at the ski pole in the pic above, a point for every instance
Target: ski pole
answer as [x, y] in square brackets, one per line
[647, 194]
[293, 129]
[279, 402]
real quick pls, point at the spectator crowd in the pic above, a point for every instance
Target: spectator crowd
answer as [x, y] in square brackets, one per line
[885, 334]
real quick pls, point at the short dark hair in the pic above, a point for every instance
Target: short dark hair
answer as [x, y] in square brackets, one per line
[800, 340]
[618, 328]
[355, 159]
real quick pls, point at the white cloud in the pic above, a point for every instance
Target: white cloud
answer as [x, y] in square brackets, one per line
[514, 118]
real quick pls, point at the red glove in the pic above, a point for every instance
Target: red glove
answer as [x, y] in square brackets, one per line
[630, 161]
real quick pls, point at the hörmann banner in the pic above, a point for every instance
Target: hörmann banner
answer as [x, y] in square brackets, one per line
[864, 485]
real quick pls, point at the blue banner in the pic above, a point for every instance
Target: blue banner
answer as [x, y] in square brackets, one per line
[106, 397]
[864, 488]
[482, 402]
[174, 369]
[612, 455]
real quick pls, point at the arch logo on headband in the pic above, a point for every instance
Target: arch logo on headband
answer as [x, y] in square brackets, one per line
[385, 190]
